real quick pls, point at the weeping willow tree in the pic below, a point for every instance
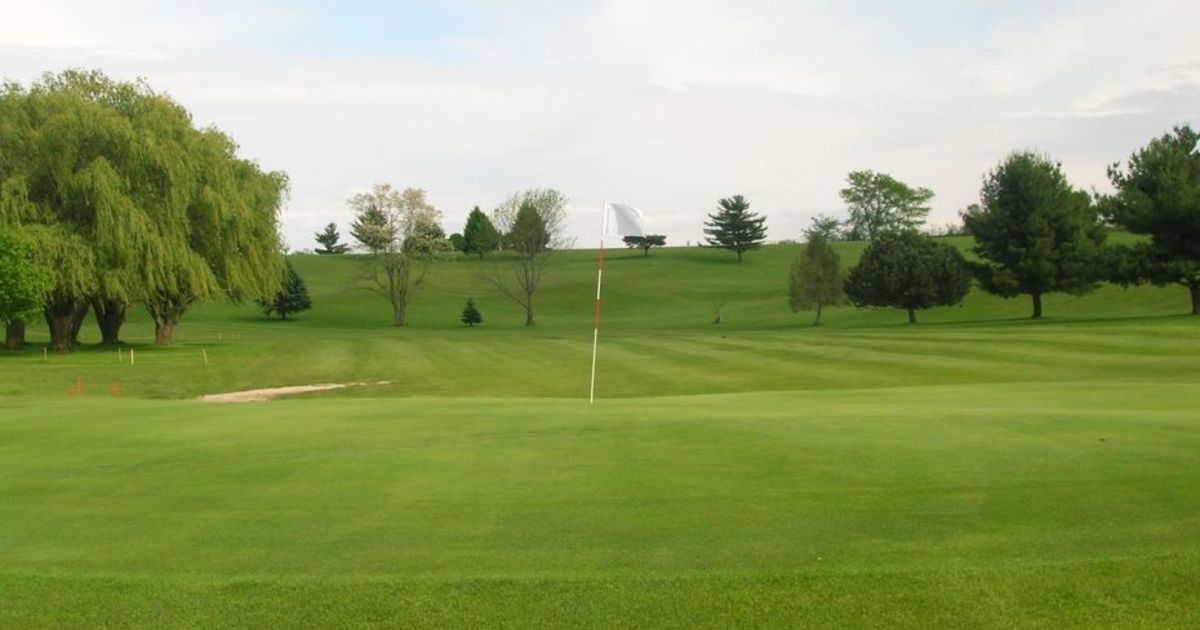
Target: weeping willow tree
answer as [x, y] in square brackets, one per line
[137, 204]
[23, 286]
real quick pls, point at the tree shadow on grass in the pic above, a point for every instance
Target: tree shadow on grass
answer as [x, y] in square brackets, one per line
[1025, 322]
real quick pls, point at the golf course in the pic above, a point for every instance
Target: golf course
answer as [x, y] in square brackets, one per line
[976, 469]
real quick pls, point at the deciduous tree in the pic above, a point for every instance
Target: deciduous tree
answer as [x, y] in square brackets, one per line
[816, 280]
[24, 282]
[880, 204]
[827, 227]
[645, 243]
[130, 202]
[374, 226]
[403, 244]
[550, 205]
[910, 271]
[530, 241]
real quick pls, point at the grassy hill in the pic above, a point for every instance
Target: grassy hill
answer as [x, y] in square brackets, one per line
[657, 339]
[977, 469]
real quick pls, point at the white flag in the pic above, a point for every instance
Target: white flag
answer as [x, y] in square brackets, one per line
[629, 219]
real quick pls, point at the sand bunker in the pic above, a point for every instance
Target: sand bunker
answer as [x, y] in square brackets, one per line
[271, 393]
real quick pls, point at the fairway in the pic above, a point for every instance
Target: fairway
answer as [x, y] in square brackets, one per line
[977, 469]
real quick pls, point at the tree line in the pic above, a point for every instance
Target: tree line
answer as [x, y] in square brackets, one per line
[1034, 234]
[401, 233]
[111, 196]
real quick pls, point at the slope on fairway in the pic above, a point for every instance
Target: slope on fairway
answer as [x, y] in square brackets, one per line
[1062, 503]
[976, 469]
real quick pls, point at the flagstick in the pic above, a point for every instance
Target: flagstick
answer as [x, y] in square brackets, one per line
[596, 312]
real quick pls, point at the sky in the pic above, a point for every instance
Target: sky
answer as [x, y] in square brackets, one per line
[666, 105]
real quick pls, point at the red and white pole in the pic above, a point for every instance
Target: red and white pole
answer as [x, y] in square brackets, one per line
[596, 310]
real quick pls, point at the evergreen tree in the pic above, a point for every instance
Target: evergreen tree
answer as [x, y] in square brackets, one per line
[646, 242]
[1158, 196]
[910, 271]
[329, 239]
[1035, 232]
[373, 225]
[480, 235]
[734, 227]
[471, 315]
[817, 280]
[292, 296]
[457, 242]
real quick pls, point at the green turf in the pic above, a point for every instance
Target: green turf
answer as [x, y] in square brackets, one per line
[978, 469]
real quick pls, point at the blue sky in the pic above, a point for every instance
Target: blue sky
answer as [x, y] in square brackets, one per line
[666, 104]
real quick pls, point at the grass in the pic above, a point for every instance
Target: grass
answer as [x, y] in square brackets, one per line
[978, 469]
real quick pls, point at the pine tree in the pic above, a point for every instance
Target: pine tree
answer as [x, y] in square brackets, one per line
[1158, 197]
[471, 315]
[480, 235]
[328, 240]
[372, 227]
[734, 227]
[1035, 232]
[291, 298]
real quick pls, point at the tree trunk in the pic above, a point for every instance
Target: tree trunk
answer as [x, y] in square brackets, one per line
[1194, 289]
[912, 316]
[77, 323]
[739, 252]
[14, 335]
[818, 319]
[1037, 306]
[164, 332]
[399, 315]
[63, 317]
[166, 315]
[110, 316]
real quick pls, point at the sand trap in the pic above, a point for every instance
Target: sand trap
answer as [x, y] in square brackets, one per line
[271, 393]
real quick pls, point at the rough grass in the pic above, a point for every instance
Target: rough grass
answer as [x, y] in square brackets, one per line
[975, 470]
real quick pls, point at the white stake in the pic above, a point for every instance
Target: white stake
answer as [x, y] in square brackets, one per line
[131, 356]
[205, 353]
[596, 312]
